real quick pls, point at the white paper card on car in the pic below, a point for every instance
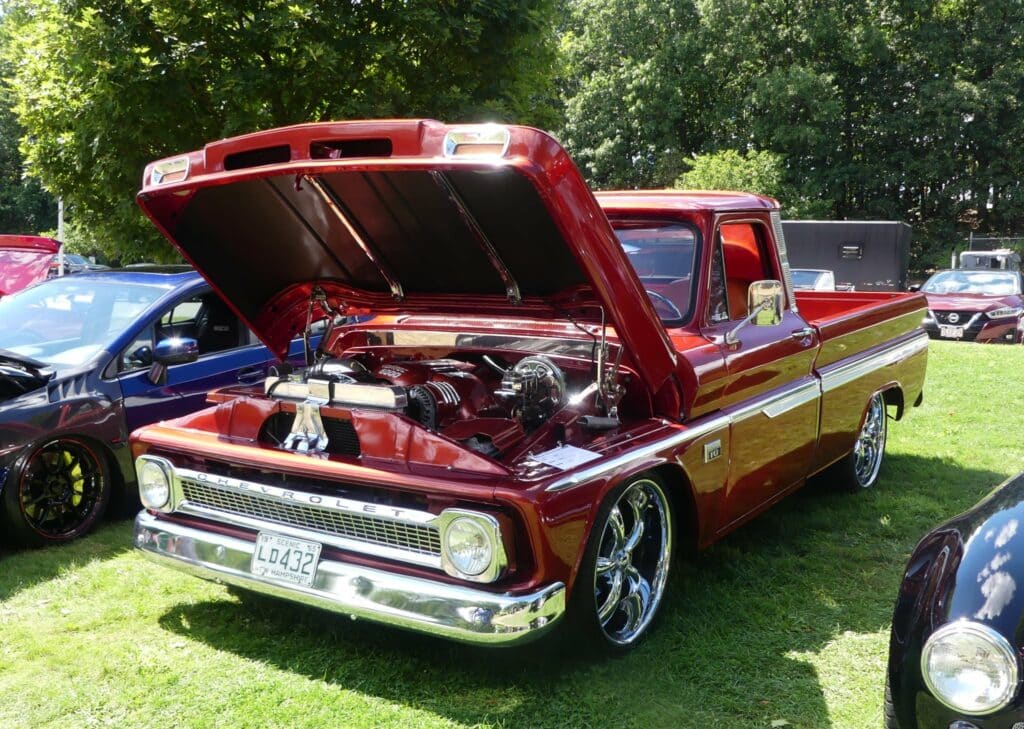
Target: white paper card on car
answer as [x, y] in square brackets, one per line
[565, 457]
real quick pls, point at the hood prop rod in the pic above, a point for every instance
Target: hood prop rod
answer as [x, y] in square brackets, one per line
[511, 287]
[338, 209]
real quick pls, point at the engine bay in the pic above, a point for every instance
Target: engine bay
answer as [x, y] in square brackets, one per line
[494, 403]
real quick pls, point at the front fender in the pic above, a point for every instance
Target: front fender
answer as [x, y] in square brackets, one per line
[971, 567]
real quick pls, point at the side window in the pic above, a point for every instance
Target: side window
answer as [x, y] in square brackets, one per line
[746, 259]
[719, 311]
[204, 318]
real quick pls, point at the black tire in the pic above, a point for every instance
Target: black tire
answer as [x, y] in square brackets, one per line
[58, 490]
[858, 470]
[624, 572]
[888, 710]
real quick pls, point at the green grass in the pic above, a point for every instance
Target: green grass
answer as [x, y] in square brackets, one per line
[784, 621]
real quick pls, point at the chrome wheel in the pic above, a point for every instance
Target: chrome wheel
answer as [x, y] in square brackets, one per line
[632, 561]
[867, 453]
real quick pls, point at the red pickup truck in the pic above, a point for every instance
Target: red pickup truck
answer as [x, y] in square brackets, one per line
[540, 395]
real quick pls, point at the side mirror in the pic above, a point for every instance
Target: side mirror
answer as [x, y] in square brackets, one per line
[142, 356]
[764, 302]
[176, 350]
[914, 288]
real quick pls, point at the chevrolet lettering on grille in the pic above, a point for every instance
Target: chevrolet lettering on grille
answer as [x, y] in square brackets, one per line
[333, 502]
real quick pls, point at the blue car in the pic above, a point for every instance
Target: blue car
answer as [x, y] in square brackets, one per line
[86, 359]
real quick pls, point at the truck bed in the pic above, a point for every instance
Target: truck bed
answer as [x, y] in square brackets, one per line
[851, 322]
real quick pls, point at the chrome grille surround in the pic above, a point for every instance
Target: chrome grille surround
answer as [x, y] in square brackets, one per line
[407, 535]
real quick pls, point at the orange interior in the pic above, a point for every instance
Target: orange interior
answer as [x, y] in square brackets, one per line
[743, 265]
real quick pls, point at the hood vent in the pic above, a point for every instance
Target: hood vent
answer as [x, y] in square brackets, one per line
[258, 157]
[349, 148]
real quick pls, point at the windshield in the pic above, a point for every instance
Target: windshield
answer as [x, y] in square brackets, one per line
[973, 282]
[67, 321]
[662, 256]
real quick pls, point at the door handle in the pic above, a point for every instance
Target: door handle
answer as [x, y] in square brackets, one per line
[250, 375]
[802, 334]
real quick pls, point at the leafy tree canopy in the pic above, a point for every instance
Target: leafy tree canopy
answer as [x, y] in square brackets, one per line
[25, 208]
[905, 109]
[761, 172]
[104, 86]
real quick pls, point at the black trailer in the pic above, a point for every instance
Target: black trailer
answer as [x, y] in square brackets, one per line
[871, 255]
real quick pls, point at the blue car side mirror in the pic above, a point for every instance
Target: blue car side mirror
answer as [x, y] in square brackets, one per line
[176, 350]
[172, 351]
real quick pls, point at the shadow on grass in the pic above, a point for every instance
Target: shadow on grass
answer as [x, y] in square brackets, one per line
[731, 648]
[21, 569]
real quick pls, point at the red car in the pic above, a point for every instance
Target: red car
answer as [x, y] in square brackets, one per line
[24, 260]
[556, 393]
[975, 306]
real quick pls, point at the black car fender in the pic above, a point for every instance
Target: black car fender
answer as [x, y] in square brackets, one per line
[969, 568]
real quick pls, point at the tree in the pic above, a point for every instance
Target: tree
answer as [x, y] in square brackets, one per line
[25, 207]
[905, 109]
[104, 86]
[634, 89]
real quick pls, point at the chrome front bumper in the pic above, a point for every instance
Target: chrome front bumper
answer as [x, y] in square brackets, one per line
[437, 608]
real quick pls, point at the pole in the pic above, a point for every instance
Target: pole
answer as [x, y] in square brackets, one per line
[60, 236]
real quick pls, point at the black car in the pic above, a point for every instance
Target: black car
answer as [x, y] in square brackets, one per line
[74, 263]
[958, 628]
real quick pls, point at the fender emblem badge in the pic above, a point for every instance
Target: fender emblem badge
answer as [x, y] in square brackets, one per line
[712, 450]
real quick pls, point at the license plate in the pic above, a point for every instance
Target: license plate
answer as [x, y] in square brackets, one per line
[285, 559]
[951, 332]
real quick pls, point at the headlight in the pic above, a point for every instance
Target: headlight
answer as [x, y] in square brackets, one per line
[471, 546]
[1005, 312]
[154, 476]
[969, 667]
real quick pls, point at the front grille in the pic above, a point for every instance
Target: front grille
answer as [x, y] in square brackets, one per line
[371, 530]
[962, 317]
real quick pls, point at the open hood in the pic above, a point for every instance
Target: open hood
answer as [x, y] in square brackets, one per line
[401, 216]
[24, 260]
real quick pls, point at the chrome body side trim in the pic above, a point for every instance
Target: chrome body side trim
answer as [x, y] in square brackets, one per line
[772, 407]
[775, 405]
[436, 608]
[684, 435]
[800, 396]
[845, 374]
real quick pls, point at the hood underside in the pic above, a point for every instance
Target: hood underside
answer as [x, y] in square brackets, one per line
[400, 216]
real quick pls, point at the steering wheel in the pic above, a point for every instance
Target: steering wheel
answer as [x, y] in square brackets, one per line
[660, 299]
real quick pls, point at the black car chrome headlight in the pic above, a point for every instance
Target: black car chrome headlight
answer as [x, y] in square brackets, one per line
[970, 668]
[155, 476]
